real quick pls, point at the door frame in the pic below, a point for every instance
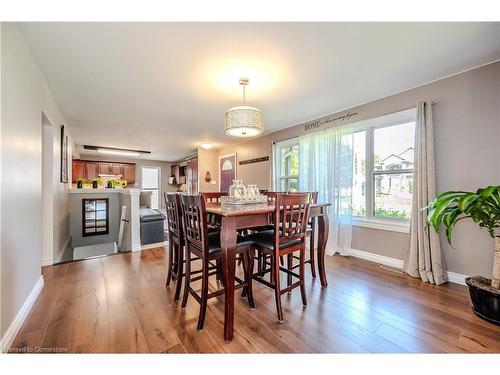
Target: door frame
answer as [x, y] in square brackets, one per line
[235, 167]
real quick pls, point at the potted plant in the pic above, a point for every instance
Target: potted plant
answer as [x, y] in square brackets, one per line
[482, 207]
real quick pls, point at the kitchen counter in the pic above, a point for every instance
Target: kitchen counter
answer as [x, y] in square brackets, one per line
[126, 191]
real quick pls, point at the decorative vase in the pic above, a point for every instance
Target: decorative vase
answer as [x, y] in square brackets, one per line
[110, 184]
[237, 189]
[253, 191]
[79, 184]
[94, 184]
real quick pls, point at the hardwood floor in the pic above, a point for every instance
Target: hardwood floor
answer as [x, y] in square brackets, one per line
[119, 304]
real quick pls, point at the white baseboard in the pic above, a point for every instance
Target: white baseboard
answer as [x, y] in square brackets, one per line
[453, 277]
[153, 245]
[392, 262]
[456, 278]
[47, 262]
[18, 321]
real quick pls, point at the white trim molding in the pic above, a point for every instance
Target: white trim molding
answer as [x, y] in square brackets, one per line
[381, 259]
[389, 225]
[18, 321]
[453, 277]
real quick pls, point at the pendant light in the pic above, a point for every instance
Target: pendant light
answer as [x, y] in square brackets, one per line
[243, 120]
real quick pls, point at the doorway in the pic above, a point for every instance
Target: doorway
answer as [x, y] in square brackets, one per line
[227, 171]
[47, 192]
[150, 182]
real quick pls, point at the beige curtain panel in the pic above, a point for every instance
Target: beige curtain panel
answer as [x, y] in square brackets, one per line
[424, 258]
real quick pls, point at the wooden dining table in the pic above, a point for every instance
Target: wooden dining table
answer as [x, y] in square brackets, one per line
[233, 218]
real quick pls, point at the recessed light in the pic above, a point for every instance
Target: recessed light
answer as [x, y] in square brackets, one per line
[206, 146]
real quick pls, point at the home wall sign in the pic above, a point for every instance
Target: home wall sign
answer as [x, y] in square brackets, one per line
[317, 123]
[256, 160]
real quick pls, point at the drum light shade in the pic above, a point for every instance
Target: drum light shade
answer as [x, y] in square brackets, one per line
[243, 121]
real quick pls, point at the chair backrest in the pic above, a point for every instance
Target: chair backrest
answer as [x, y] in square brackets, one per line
[214, 196]
[195, 223]
[174, 214]
[292, 213]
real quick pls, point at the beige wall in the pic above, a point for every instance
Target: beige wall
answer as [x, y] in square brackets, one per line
[208, 161]
[24, 96]
[164, 165]
[467, 139]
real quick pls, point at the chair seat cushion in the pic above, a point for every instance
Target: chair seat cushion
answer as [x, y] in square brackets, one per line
[266, 239]
[213, 228]
[263, 228]
[214, 242]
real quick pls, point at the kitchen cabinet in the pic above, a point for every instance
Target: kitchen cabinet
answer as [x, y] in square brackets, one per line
[105, 168]
[186, 173]
[117, 169]
[89, 170]
[78, 170]
[129, 173]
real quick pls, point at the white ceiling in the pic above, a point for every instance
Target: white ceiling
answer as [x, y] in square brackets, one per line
[164, 87]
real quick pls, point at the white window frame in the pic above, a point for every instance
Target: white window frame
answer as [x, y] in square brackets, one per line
[369, 126]
[151, 189]
[277, 161]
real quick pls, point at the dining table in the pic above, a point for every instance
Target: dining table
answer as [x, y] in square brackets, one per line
[236, 217]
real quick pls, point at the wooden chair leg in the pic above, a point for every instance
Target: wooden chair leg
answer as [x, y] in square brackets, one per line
[170, 262]
[180, 271]
[289, 264]
[302, 278]
[187, 278]
[250, 257]
[218, 274]
[277, 287]
[204, 294]
[312, 253]
[245, 272]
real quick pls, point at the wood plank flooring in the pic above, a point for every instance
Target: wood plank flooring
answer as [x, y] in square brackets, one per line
[119, 304]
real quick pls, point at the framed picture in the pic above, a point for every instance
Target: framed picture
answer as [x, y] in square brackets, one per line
[64, 156]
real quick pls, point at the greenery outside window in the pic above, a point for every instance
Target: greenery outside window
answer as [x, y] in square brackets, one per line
[287, 165]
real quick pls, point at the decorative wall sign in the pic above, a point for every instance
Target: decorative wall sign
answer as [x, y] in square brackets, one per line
[256, 160]
[317, 123]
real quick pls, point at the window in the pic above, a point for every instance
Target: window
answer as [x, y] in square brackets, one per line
[383, 171]
[95, 217]
[151, 183]
[382, 179]
[287, 166]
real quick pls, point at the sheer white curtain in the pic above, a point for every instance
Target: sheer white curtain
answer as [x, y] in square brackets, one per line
[325, 166]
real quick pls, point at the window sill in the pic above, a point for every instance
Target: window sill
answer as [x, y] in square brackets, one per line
[389, 225]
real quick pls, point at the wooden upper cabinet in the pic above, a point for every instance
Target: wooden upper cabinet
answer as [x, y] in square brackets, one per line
[105, 168]
[117, 169]
[77, 170]
[129, 173]
[175, 171]
[91, 170]
[192, 169]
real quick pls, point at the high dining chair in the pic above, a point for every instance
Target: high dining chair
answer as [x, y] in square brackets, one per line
[176, 261]
[207, 247]
[213, 196]
[287, 237]
[175, 241]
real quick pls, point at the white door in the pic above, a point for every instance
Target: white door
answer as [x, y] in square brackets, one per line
[150, 182]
